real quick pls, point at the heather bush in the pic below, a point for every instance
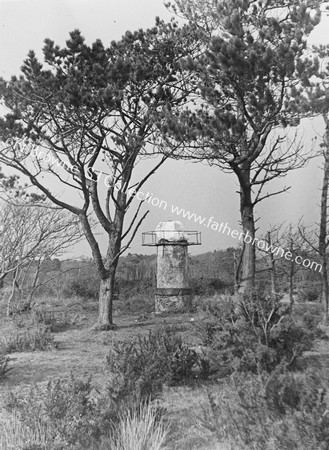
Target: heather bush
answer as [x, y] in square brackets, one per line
[70, 413]
[63, 409]
[257, 333]
[284, 411]
[300, 391]
[141, 366]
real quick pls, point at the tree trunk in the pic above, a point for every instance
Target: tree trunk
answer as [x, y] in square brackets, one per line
[291, 273]
[323, 222]
[273, 266]
[291, 284]
[12, 294]
[248, 268]
[106, 269]
[106, 293]
[236, 272]
[325, 293]
[273, 275]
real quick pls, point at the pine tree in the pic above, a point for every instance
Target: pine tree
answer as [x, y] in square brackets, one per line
[93, 111]
[252, 61]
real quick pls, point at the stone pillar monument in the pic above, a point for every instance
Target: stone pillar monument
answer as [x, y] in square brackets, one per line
[173, 293]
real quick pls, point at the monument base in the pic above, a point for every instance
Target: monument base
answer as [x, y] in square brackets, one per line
[173, 300]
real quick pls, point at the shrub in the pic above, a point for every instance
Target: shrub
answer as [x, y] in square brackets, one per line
[69, 413]
[29, 341]
[217, 305]
[85, 288]
[4, 362]
[63, 410]
[52, 321]
[309, 294]
[134, 296]
[132, 288]
[208, 286]
[255, 412]
[140, 367]
[260, 336]
[19, 307]
[311, 324]
[294, 391]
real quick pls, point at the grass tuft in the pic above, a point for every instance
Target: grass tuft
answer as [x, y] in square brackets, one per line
[29, 341]
[15, 435]
[141, 429]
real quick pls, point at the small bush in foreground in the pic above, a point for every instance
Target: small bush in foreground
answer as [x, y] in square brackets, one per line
[287, 391]
[282, 411]
[141, 367]
[63, 409]
[29, 341]
[70, 413]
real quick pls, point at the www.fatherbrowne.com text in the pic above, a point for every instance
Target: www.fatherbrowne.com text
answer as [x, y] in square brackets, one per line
[220, 227]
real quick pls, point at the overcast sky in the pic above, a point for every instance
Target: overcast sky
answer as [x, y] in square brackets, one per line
[24, 24]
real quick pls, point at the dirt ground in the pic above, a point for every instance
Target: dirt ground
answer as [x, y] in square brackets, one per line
[79, 349]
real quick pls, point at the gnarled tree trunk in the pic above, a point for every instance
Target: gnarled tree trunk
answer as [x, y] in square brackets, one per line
[106, 293]
[248, 266]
